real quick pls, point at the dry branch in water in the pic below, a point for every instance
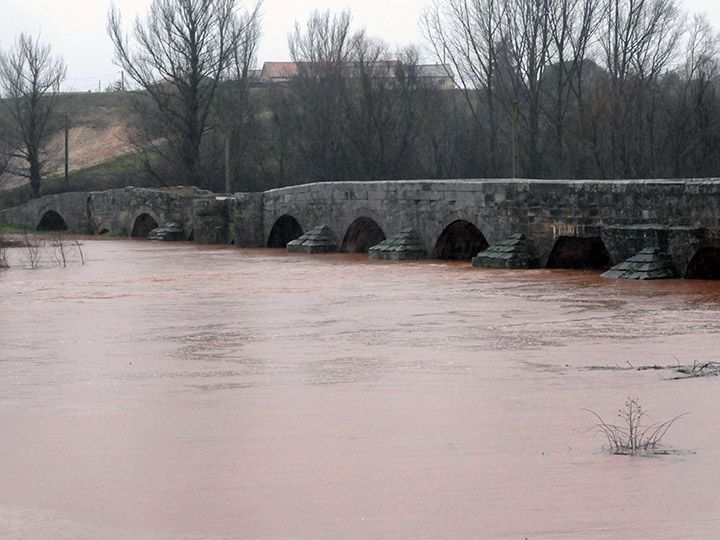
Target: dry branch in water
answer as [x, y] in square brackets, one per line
[632, 437]
[32, 251]
[3, 254]
[80, 251]
[59, 246]
[698, 369]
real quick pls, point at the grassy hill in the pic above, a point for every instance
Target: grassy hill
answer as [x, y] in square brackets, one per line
[101, 154]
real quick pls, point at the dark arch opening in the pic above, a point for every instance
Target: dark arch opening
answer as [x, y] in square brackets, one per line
[460, 241]
[52, 221]
[144, 223]
[286, 229]
[705, 264]
[576, 253]
[191, 236]
[103, 232]
[362, 234]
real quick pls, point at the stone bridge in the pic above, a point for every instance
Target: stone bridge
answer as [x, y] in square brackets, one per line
[569, 223]
[128, 212]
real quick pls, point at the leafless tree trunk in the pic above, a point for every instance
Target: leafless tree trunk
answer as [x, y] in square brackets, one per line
[693, 104]
[382, 110]
[573, 26]
[30, 79]
[322, 50]
[466, 35]
[234, 112]
[180, 53]
[638, 43]
[528, 34]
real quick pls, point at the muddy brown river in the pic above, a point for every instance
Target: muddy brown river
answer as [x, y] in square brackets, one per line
[177, 391]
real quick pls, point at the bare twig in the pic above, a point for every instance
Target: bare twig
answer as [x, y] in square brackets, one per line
[59, 246]
[3, 254]
[80, 251]
[32, 251]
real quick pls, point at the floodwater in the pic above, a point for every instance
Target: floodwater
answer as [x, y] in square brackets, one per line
[177, 391]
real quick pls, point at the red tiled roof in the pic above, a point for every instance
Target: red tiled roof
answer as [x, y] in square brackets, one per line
[283, 71]
[279, 70]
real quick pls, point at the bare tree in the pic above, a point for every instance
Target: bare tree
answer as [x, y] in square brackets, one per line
[528, 37]
[30, 79]
[382, 110]
[235, 114]
[6, 153]
[180, 53]
[466, 34]
[322, 49]
[574, 25]
[692, 103]
[638, 44]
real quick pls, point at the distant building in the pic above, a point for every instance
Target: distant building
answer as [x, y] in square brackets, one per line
[283, 72]
[439, 74]
[278, 72]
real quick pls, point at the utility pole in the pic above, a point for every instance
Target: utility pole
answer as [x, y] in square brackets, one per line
[515, 109]
[122, 81]
[67, 150]
[228, 164]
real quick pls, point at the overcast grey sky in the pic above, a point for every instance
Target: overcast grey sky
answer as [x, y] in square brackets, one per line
[76, 28]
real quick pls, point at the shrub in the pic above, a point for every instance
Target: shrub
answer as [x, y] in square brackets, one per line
[631, 436]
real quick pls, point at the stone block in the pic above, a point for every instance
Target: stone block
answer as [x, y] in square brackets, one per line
[650, 263]
[169, 232]
[318, 240]
[513, 252]
[403, 246]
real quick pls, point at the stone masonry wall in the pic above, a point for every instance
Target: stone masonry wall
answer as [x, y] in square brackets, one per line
[112, 210]
[680, 215]
[71, 206]
[543, 210]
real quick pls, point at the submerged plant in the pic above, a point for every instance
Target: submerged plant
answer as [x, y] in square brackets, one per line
[3, 254]
[32, 250]
[698, 369]
[632, 437]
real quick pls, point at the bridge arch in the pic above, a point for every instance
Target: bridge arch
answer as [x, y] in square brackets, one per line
[142, 225]
[363, 233]
[459, 240]
[705, 264]
[579, 253]
[103, 227]
[285, 229]
[51, 221]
